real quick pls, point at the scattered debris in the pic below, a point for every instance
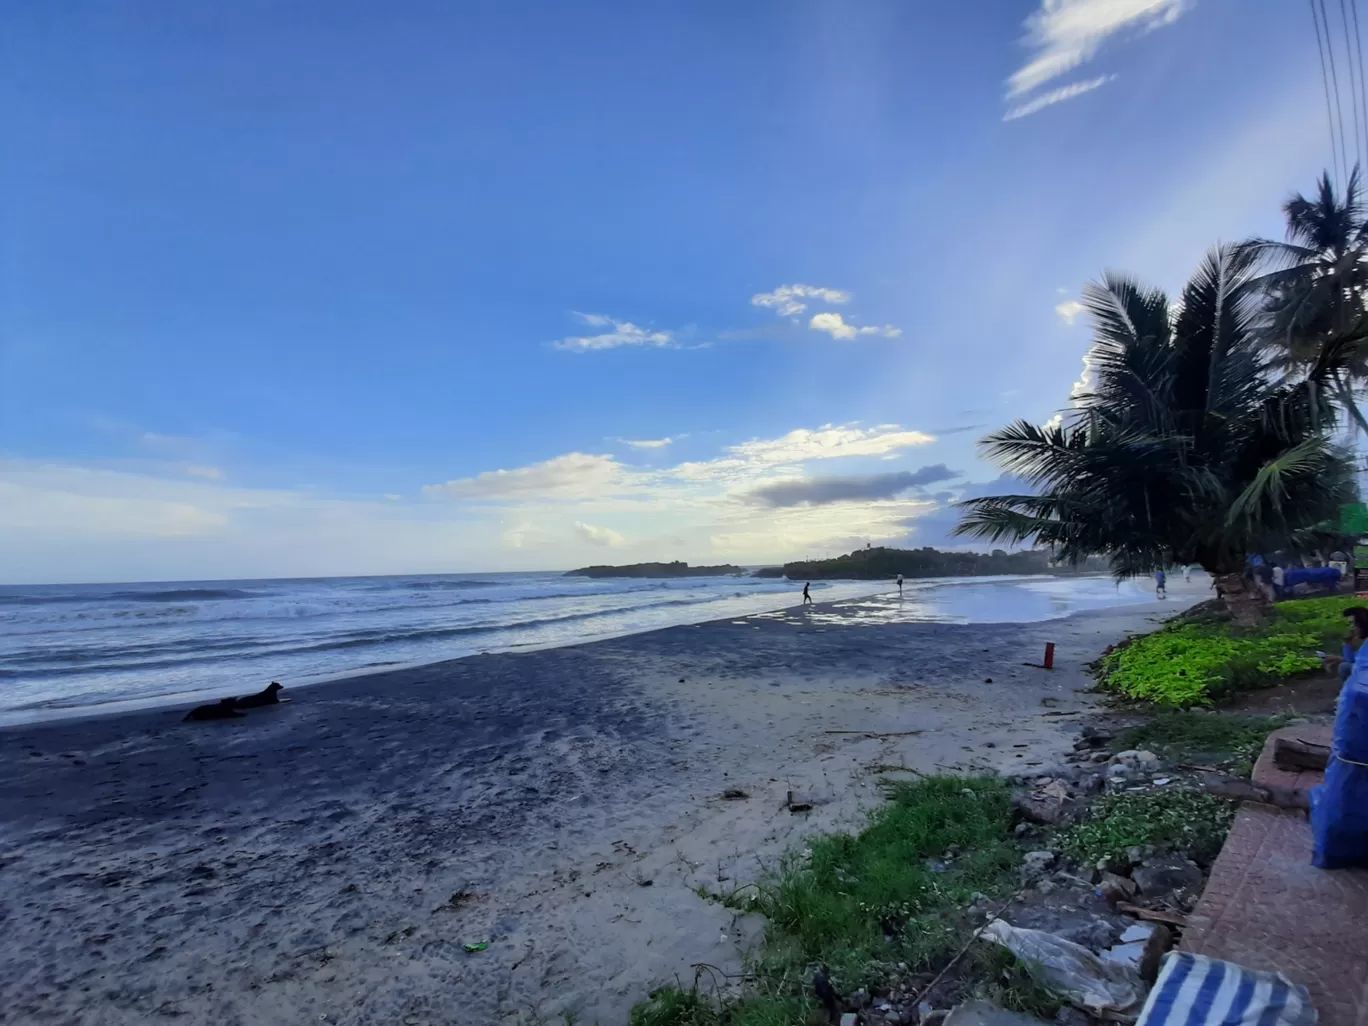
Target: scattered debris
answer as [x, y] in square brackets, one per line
[734, 794]
[1157, 915]
[1161, 876]
[471, 949]
[1100, 988]
[797, 804]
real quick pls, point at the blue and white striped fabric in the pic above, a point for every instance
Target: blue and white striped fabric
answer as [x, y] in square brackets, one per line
[1193, 990]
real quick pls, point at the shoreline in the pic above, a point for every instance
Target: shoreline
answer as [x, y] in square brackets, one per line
[328, 859]
[131, 706]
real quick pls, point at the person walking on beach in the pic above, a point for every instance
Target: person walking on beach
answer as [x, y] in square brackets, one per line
[1187, 573]
[807, 599]
[1160, 584]
[899, 585]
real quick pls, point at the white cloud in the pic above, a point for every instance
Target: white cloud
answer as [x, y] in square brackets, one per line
[835, 326]
[1069, 310]
[744, 462]
[622, 333]
[596, 535]
[1065, 34]
[203, 470]
[1054, 96]
[786, 300]
[647, 443]
[576, 475]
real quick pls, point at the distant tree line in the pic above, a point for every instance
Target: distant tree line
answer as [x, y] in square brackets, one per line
[884, 562]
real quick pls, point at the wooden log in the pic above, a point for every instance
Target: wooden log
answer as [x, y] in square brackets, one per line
[1154, 915]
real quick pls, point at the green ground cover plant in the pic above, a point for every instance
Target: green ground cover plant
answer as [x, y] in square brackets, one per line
[1197, 735]
[863, 903]
[1195, 663]
[1183, 819]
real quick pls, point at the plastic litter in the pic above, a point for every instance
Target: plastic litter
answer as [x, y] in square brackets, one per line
[1100, 988]
[472, 948]
[1339, 807]
[1195, 990]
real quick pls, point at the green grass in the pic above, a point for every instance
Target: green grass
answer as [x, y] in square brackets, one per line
[1217, 739]
[1195, 663]
[862, 903]
[1186, 820]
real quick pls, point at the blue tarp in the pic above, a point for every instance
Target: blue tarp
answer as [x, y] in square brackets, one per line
[1339, 807]
[1316, 576]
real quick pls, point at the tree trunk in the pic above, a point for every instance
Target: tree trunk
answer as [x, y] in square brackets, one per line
[1242, 596]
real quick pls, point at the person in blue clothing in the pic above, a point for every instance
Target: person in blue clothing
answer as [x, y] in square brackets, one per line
[1339, 806]
[1358, 632]
[1160, 584]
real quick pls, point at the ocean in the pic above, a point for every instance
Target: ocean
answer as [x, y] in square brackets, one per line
[75, 649]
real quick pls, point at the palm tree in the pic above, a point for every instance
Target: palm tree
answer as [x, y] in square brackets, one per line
[1316, 286]
[1185, 450]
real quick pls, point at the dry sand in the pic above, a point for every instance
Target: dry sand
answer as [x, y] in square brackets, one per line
[300, 865]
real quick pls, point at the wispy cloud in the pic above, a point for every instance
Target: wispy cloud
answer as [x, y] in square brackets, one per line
[1065, 34]
[576, 475]
[820, 491]
[596, 535]
[835, 325]
[647, 443]
[620, 333]
[1054, 96]
[205, 471]
[787, 300]
[1069, 310]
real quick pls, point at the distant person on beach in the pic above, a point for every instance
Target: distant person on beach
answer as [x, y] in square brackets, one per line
[807, 599]
[1187, 573]
[899, 585]
[1160, 584]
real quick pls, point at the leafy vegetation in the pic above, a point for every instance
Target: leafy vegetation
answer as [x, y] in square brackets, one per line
[1215, 738]
[1187, 448]
[1189, 820]
[862, 903]
[881, 562]
[1187, 664]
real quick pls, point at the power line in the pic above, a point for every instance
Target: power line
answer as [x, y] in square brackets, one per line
[1325, 82]
[1363, 87]
[1334, 85]
[1354, 88]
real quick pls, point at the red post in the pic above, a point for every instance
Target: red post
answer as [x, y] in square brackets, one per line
[1049, 655]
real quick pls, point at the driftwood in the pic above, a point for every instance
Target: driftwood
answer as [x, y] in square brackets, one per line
[1296, 754]
[877, 733]
[1154, 915]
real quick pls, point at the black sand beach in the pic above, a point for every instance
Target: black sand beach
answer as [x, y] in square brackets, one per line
[328, 859]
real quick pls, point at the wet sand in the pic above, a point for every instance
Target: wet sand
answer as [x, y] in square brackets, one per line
[328, 859]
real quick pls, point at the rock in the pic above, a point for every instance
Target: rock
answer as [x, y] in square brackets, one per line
[1093, 934]
[1093, 737]
[1045, 887]
[1116, 888]
[1160, 876]
[1049, 809]
[1035, 863]
[849, 1019]
[1100, 757]
[985, 1013]
[1068, 1015]
[1135, 854]
[1024, 830]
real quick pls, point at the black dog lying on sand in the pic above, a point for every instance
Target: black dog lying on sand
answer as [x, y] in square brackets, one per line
[224, 710]
[269, 696]
[230, 708]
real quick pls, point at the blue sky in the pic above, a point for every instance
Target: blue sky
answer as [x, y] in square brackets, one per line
[343, 287]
